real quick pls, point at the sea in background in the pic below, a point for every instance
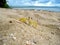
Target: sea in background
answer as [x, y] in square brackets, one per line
[48, 8]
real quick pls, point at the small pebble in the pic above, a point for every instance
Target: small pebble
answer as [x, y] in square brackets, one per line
[34, 42]
[12, 36]
[52, 33]
[30, 43]
[10, 21]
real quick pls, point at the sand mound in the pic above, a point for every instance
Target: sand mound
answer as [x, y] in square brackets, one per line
[15, 32]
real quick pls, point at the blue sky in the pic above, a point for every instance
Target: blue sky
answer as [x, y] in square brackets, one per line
[34, 2]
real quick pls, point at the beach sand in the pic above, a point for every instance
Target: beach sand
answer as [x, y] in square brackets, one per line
[15, 32]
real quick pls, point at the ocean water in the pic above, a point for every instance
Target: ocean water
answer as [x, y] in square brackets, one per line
[54, 9]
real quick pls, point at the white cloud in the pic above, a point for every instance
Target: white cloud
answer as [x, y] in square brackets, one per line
[31, 3]
[36, 3]
[50, 3]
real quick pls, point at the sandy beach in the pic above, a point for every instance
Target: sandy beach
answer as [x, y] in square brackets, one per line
[15, 32]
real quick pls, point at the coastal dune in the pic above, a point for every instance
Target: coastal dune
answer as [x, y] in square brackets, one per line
[15, 32]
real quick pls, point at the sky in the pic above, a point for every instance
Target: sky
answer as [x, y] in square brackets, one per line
[33, 2]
